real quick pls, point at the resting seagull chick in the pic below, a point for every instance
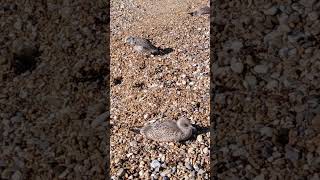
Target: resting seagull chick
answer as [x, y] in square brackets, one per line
[168, 130]
[201, 11]
[143, 45]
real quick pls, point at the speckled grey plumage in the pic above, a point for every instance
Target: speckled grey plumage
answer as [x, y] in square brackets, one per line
[168, 130]
[201, 11]
[142, 45]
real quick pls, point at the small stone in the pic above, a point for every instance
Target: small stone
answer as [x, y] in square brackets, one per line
[315, 177]
[155, 176]
[17, 118]
[205, 150]
[201, 171]
[237, 67]
[283, 52]
[188, 166]
[272, 84]
[276, 154]
[298, 7]
[5, 174]
[292, 154]
[199, 138]
[266, 131]
[23, 94]
[16, 176]
[295, 37]
[100, 119]
[271, 11]
[117, 160]
[273, 38]
[262, 69]
[235, 45]
[259, 177]
[299, 108]
[133, 143]
[308, 3]
[313, 15]
[162, 158]
[173, 170]
[193, 174]
[309, 158]
[155, 164]
[251, 80]
[166, 178]
[18, 24]
[239, 152]
[64, 174]
[315, 28]
[316, 122]
[196, 167]
[141, 173]
[165, 173]
[283, 19]
[294, 18]
[292, 52]
[120, 172]
[2, 163]
[191, 150]
[318, 150]
[96, 109]
[225, 150]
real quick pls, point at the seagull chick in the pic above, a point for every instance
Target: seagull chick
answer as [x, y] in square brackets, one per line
[168, 130]
[142, 45]
[201, 11]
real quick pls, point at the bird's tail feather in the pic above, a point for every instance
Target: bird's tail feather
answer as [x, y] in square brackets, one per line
[136, 129]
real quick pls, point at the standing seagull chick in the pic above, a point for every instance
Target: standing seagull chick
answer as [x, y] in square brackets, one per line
[168, 130]
[201, 11]
[142, 45]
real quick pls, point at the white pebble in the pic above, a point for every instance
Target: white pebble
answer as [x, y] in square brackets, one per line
[262, 69]
[205, 150]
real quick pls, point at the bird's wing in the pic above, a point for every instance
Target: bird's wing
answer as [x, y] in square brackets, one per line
[170, 123]
[145, 43]
[168, 126]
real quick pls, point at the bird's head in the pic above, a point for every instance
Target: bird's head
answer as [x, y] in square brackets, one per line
[130, 40]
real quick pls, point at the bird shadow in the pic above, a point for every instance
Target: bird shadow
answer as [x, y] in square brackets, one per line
[191, 13]
[200, 130]
[165, 51]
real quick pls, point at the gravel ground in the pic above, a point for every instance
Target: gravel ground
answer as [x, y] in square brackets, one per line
[53, 93]
[264, 75]
[161, 87]
[266, 89]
